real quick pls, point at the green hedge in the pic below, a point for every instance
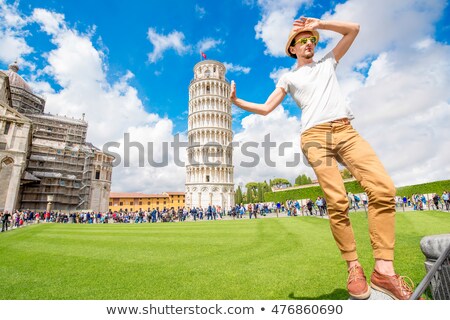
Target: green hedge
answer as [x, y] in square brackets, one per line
[355, 187]
[430, 187]
[307, 193]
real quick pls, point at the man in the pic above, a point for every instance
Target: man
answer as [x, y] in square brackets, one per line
[194, 213]
[319, 204]
[256, 207]
[241, 211]
[5, 221]
[445, 197]
[356, 199]
[250, 210]
[214, 212]
[351, 202]
[209, 212]
[278, 208]
[309, 205]
[436, 200]
[324, 206]
[328, 137]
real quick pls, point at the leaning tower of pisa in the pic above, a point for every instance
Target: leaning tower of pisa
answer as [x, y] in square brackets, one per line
[209, 169]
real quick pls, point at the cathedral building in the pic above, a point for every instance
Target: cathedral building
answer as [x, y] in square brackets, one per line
[209, 169]
[45, 158]
[15, 137]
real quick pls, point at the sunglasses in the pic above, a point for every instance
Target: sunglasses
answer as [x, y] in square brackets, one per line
[303, 41]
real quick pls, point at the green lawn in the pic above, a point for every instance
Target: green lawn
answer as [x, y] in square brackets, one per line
[285, 258]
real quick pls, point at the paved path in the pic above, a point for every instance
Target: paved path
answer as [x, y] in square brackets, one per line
[376, 295]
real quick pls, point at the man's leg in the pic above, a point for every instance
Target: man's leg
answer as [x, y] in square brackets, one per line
[363, 163]
[318, 149]
[365, 166]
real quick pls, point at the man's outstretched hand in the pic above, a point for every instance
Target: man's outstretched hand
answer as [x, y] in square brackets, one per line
[233, 91]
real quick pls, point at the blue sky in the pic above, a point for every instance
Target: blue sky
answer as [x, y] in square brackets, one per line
[121, 31]
[127, 65]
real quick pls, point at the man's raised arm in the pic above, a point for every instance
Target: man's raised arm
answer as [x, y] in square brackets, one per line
[267, 107]
[349, 30]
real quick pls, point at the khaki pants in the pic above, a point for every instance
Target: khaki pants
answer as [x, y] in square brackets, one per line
[324, 145]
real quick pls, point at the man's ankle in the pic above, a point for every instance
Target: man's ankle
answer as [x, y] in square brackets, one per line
[385, 267]
[351, 264]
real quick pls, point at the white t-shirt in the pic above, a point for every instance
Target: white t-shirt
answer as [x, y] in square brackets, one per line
[315, 89]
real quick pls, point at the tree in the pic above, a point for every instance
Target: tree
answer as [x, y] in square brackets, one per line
[238, 199]
[252, 185]
[260, 193]
[302, 180]
[266, 187]
[257, 190]
[249, 195]
[280, 183]
[346, 174]
[252, 191]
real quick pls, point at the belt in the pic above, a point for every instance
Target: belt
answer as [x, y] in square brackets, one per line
[341, 121]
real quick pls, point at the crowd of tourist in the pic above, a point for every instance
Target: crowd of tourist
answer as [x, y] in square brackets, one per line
[420, 202]
[239, 211]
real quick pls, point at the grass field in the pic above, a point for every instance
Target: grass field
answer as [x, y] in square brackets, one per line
[285, 258]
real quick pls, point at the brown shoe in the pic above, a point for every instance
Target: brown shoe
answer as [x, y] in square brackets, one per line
[357, 284]
[394, 286]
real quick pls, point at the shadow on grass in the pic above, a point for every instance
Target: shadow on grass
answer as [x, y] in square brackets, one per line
[337, 294]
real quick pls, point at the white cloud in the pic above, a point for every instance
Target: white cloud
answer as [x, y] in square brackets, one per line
[153, 168]
[161, 43]
[405, 94]
[207, 44]
[396, 29]
[50, 22]
[424, 43]
[12, 37]
[12, 47]
[250, 3]
[10, 15]
[40, 87]
[277, 19]
[411, 107]
[254, 162]
[200, 11]
[111, 108]
[236, 68]
[396, 78]
[75, 60]
[235, 112]
[276, 74]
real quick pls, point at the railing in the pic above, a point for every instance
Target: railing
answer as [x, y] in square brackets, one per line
[436, 282]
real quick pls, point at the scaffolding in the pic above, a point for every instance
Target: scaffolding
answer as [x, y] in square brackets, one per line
[58, 158]
[60, 163]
